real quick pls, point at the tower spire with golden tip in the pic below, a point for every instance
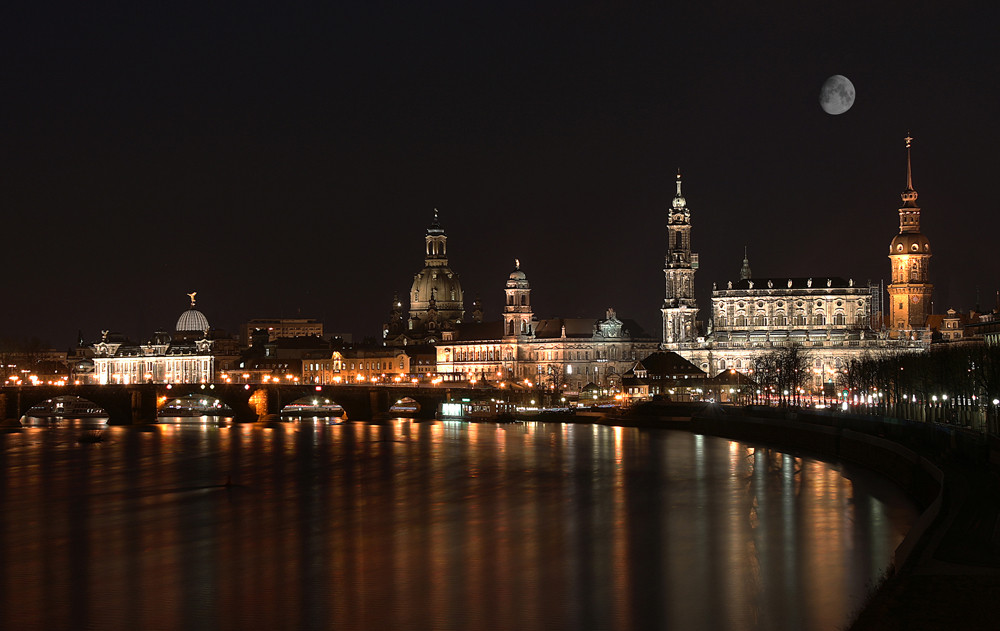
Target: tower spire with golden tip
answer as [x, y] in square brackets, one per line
[909, 195]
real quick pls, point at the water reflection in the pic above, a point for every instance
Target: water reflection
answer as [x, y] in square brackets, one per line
[430, 525]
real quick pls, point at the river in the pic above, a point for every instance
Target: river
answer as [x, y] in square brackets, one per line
[431, 525]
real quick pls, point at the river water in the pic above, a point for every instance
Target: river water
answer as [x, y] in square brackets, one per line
[431, 525]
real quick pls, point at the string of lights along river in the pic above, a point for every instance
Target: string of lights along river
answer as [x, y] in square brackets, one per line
[431, 525]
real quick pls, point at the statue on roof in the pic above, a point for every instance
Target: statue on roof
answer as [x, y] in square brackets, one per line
[191, 296]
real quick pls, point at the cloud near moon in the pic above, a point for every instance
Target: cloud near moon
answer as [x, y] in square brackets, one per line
[837, 95]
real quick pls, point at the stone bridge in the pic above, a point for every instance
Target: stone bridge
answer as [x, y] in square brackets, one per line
[139, 403]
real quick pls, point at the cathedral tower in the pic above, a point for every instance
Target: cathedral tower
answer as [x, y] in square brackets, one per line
[679, 307]
[436, 290]
[910, 254]
[517, 314]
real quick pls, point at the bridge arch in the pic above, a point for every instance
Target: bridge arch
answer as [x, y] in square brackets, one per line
[138, 403]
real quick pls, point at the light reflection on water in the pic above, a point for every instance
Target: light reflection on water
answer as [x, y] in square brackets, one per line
[430, 525]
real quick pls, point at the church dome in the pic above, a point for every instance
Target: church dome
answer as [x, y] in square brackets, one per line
[439, 283]
[192, 320]
[518, 275]
[910, 243]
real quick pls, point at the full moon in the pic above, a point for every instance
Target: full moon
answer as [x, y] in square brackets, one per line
[837, 95]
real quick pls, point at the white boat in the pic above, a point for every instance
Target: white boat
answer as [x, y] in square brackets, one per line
[67, 407]
[315, 410]
[404, 406]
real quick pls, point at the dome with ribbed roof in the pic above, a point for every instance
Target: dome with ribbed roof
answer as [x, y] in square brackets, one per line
[192, 319]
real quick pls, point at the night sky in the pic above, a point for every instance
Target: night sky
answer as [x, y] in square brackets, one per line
[285, 161]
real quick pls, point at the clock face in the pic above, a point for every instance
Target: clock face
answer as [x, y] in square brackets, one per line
[914, 299]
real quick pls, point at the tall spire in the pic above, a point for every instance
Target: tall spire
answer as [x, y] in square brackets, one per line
[435, 225]
[909, 196]
[680, 308]
[745, 270]
[909, 177]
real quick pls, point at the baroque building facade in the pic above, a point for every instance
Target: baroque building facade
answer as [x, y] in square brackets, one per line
[557, 353]
[833, 320]
[389, 364]
[185, 357]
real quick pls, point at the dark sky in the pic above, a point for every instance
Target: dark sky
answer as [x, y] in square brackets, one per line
[285, 161]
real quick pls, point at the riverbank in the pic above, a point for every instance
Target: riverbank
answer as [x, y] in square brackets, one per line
[947, 570]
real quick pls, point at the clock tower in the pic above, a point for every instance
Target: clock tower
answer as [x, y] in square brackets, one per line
[679, 306]
[910, 254]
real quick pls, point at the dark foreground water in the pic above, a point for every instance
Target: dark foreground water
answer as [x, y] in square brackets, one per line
[431, 526]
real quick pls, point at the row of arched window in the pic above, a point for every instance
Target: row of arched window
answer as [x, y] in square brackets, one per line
[740, 364]
[780, 319]
[492, 353]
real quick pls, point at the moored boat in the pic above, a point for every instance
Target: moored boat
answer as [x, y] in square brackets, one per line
[493, 411]
[66, 407]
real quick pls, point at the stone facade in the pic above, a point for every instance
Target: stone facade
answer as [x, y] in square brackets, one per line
[562, 354]
[189, 355]
[385, 365]
[160, 360]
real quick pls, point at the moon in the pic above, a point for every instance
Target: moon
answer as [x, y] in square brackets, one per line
[837, 95]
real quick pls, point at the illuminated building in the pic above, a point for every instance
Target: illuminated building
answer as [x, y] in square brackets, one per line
[436, 300]
[950, 327]
[187, 356]
[834, 320]
[381, 364]
[558, 353]
[910, 254]
[832, 317]
[662, 373]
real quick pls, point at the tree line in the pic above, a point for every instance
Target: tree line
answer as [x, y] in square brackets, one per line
[948, 383]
